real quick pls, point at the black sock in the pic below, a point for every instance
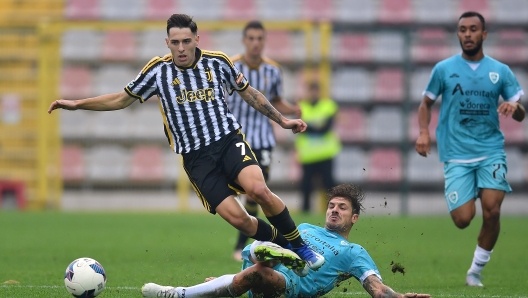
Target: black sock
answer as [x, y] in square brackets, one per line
[266, 232]
[285, 225]
[252, 209]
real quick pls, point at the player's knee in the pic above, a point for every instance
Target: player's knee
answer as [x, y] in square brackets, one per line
[463, 215]
[260, 193]
[492, 214]
[461, 222]
[461, 219]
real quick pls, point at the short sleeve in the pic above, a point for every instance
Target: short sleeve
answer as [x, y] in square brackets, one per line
[363, 266]
[434, 87]
[511, 89]
[231, 74]
[144, 85]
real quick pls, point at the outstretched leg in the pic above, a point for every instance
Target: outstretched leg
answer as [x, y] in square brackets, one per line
[259, 278]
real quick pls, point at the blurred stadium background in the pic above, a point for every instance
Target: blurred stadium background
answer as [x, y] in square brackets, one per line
[373, 57]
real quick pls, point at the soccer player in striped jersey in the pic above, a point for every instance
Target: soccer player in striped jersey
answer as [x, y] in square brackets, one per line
[264, 75]
[190, 84]
[470, 143]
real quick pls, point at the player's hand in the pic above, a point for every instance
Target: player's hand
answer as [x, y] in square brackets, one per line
[209, 278]
[415, 295]
[296, 125]
[507, 108]
[62, 104]
[423, 144]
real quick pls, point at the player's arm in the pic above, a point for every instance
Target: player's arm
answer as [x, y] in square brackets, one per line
[423, 143]
[377, 289]
[259, 102]
[515, 108]
[107, 102]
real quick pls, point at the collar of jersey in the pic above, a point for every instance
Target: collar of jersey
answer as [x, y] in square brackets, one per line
[197, 57]
[335, 234]
[473, 62]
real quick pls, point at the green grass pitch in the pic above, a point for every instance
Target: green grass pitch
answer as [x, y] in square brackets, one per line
[183, 249]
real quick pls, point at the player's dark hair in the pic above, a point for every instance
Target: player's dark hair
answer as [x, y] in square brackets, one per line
[181, 21]
[469, 14]
[253, 25]
[352, 193]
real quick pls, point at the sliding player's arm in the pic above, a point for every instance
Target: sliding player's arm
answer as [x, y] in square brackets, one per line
[106, 102]
[377, 289]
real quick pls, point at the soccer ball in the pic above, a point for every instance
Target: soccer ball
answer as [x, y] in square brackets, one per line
[85, 277]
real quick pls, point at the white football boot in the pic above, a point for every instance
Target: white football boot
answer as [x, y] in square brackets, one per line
[155, 290]
[473, 280]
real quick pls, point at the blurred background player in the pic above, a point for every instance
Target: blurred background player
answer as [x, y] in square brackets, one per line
[216, 157]
[470, 142]
[264, 75]
[319, 145]
[271, 279]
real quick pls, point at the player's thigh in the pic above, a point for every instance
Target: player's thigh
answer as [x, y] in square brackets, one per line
[491, 201]
[491, 174]
[231, 207]
[207, 179]
[250, 177]
[460, 184]
[236, 156]
[264, 160]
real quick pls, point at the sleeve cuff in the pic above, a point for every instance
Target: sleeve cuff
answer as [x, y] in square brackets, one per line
[246, 85]
[429, 94]
[134, 95]
[367, 274]
[516, 97]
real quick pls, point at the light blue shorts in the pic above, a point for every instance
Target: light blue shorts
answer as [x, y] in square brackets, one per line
[463, 181]
[292, 279]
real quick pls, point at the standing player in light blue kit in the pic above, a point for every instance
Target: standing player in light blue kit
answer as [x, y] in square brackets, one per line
[264, 276]
[470, 142]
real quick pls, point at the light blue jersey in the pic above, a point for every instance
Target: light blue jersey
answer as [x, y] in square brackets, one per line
[343, 261]
[468, 126]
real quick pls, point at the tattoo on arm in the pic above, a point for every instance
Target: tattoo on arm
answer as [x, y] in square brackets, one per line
[377, 289]
[263, 105]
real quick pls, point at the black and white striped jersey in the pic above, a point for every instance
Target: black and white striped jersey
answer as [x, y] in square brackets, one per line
[192, 99]
[267, 78]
